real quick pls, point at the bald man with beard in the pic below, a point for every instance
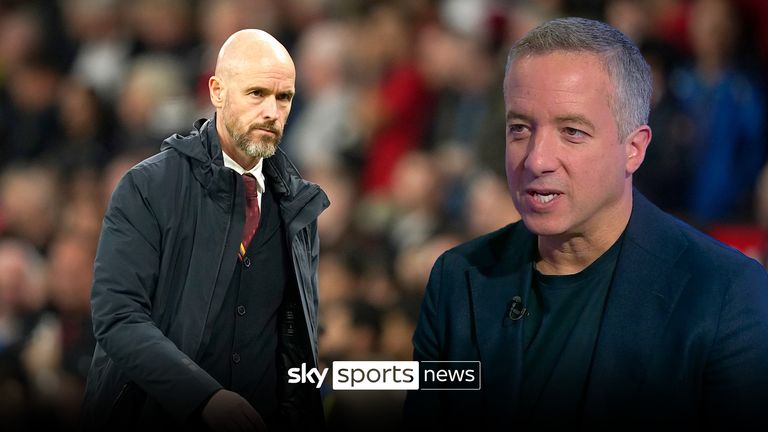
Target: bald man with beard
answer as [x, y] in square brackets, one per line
[205, 280]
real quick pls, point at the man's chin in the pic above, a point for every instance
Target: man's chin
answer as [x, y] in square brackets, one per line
[262, 154]
[543, 226]
[261, 151]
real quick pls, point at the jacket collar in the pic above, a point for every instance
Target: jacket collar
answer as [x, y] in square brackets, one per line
[300, 201]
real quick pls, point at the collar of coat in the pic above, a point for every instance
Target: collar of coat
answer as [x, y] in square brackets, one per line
[203, 149]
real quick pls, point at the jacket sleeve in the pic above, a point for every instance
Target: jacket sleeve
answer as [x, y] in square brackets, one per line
[736, 376]
[422, 408]
[125, 278]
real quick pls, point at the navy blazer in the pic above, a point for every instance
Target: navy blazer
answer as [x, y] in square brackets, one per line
[683, 338]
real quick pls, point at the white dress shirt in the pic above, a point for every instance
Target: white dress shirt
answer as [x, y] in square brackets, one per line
[256, 172]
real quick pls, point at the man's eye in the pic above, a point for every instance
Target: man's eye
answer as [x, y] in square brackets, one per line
[257, 93]
[518, 130]
[573, 132]
[574, 135]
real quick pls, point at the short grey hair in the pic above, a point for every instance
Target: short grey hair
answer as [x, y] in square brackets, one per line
[625, 65]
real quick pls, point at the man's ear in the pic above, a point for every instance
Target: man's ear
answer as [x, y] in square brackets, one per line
[636, 144]
[216, 91]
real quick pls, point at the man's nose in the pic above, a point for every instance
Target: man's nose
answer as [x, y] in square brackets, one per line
[542, 153]
[269, 108]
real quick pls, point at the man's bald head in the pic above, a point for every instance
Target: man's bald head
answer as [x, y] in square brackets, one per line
[252, 92]
[245, 48]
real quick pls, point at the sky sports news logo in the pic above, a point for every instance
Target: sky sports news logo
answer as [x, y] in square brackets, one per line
[393, 375]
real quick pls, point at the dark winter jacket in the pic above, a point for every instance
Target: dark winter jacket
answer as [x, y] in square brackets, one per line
[164, 263]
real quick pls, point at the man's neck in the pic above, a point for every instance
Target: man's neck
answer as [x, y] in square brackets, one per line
[570, 254]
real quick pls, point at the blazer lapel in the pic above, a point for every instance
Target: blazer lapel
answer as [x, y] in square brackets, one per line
[644, 290]
[499, 339]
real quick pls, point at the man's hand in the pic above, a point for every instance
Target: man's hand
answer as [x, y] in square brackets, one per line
[228, 411]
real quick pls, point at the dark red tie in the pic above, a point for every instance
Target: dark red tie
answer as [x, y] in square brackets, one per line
[252, 213]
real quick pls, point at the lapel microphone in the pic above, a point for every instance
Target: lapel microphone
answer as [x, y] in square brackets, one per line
[516, 310]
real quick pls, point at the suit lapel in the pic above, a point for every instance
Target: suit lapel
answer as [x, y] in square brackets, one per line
[644, 290]
[499, 339]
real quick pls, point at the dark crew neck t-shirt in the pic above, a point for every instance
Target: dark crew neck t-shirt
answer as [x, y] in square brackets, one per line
[559, 339]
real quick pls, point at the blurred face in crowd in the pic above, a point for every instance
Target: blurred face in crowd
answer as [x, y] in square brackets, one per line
[713, 29]
[252, 92]
[568, 172]
[21, 273]
[70, 274]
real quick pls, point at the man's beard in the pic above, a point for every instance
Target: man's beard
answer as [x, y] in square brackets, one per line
[265, 146]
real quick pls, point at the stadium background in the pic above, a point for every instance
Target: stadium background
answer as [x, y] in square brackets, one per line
[398, 116]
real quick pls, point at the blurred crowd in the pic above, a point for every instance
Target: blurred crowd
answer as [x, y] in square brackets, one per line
[398, 116]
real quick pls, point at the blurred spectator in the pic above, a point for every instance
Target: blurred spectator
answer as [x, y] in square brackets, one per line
[488, 206]
[22, 298]
[524, 16]
[393, 114]
[69, 284]
[670, 21]
[466, 16]
[82, 217]
[416, 197]
[218, 20]
[668, 164]
[28, 111]
[153, 104]
[334, 224]
[59, 353]
[103, 47]
[322, 133]
[631, 17]
[467, 74]
[20, 39]
[84, 123]
[163, 26]
[336, 278]
[29, 203]
[728, 110]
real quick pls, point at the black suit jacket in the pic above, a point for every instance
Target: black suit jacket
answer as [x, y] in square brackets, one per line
[683, 339]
